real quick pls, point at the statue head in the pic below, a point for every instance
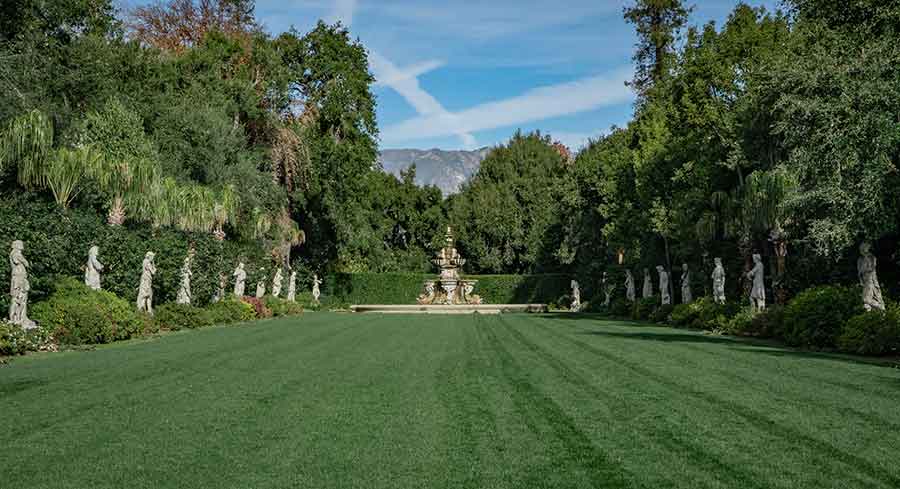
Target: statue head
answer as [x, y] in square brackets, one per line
[718, 261]
[684, 266]
[18, 245]
[149, 256]
[865, 248]
[240, 265]
[659, 268]
[757, 258]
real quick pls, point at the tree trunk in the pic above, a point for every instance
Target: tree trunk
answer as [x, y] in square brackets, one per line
[116, 216]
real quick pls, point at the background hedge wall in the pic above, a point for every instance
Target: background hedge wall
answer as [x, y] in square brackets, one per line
[57, 243]
[403, 288]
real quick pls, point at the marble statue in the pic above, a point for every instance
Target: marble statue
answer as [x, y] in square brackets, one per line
[315, 288]
[629, 286]
[468, 288]
[687, 295]
[240, 276]
[427, 295]
[19, 287]
[718, 278]
[145, 289]
[607, 289]
[758, 290]
[261, 289]
[220, 292]
[277, 282]
[648, 285]
[92, 269]
[664, 285]
[184, 290]
[292, 287]
[866, 265]
[576, 296]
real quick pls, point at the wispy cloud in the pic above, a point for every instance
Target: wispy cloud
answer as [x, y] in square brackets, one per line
[343, 12]
[406, 83]
[535, 105]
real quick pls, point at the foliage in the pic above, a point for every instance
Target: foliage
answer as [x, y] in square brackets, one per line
[229, 311]
[74, 314]
[872, 333]
[662, 313]
[645, 308]
[282, 307]
[260, 310]
[814, 317]
[17, 341]
[174, 317]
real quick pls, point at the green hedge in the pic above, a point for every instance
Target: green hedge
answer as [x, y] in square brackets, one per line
[57, 243]
[403, 288]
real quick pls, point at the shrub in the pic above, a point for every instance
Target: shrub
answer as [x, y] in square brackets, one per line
[230, 311]
[739, 324]
[281, 307]
[767, 324]
[815, 317]
[661, 314]
[174, 317]
[713, 316]
[16, 341]
[75, 314]
[620, 308]
[644, 308]
[872, 333]
[684, 315]
[260, 311]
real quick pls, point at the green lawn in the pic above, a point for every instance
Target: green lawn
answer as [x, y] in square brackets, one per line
[368, 401]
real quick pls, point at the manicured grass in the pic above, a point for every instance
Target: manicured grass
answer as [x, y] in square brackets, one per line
[366, 401]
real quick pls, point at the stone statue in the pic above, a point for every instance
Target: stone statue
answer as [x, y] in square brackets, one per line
[92, 269]
[292, 287]
[576, 296]
[276, 282]
[718, 278]
[468, 288]
[648, 285]
[866, 265]
[315, 288]
[629, 286]
[184, 291]
[220, 292]
[427, 295]
[19, 287]
[686, 295]
[664, 285]
[260, 289]
[240, 276]
[607, 289]
[758, 290]
[145, 289]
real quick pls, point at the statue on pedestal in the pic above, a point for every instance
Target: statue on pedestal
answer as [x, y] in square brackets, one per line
[629, 286]
[687, 295]
[315, 288]
[92, 269]
[576, 296]
[607, 289]
[19, 287]
[184, 291]
[240, 276]
[145, 288]
[866, 266]
[718, 278]
[292, 287]
[758, 290]
[664, 285]
[648, 285]
[277, 282]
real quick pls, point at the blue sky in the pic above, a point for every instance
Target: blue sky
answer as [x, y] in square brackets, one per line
[467, 73]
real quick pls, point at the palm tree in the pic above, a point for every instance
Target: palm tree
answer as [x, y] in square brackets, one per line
[67, 172]
[28, 143]
[127, 181]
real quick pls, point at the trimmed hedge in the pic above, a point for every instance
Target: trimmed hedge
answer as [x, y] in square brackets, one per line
[403, 288]
[815, 317]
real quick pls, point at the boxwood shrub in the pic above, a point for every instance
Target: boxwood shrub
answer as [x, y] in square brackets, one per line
[872, 333]
[815, 317]
[281, 307]
[76, 315]
[230, 311]
[175, 317]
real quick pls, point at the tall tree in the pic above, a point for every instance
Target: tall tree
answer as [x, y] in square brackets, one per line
[658, 23]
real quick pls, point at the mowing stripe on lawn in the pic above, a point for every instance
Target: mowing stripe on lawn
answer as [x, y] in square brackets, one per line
[759, 420]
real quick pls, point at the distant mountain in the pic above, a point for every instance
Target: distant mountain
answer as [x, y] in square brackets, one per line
[448, 170]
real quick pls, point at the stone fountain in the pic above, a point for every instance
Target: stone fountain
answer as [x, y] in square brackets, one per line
[449, 288]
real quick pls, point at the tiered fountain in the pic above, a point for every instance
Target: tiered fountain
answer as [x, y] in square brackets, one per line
[449, 293]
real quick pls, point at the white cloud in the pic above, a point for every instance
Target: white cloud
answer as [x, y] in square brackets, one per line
[414, 71]
[343, 11]
[535, 105]
[406, 83]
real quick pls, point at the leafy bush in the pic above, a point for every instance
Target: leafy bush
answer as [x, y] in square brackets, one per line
[281, 307]
[230, 311]
[661, 314]
[767, 324]
[815, 317]
[872, 333]
[620, 308]
[739, 324]
[644, 308]
[16, 341]
[260, 310]
[75, 314]
[684, 315]
[174, 317]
